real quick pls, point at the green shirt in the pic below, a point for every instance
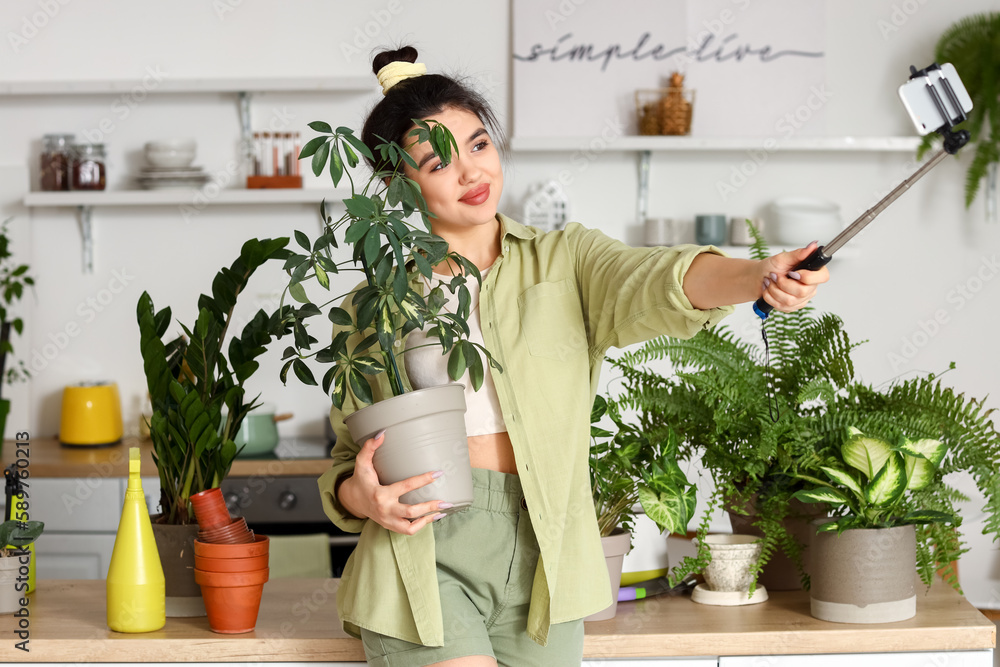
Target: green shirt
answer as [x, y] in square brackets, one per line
[550, 308]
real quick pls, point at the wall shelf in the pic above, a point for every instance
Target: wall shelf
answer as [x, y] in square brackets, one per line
[181, 196]
[771, 144]
[84, 202]
[342, 84]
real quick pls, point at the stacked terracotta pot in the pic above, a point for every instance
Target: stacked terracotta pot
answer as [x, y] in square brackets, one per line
[230, 565]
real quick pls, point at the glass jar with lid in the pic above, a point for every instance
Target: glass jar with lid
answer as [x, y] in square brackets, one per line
[88, 171]
[55, 162]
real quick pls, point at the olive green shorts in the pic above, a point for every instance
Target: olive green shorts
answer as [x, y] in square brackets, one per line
[486, 557]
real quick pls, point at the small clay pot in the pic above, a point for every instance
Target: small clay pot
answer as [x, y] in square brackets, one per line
[259, 546]
[249, 564]
[210, 509]
[232, 599]
[234, 533]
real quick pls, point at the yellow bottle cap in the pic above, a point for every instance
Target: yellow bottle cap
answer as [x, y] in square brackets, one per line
[134, 462]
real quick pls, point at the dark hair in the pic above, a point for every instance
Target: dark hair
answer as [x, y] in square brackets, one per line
[420, 97]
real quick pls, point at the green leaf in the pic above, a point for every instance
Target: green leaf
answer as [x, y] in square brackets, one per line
[368, 365]
[358, 145]
[298, 293]
[457, 363]
[336, 165]
[865, 454]
[359, 386]
[321, 126]
[312, 146]
[321, 276]
[844, 479]
[889, 483]
[302, 239]
[926, 516]
[822, 495]
[671, 509]
[319, 158]
[340, 317]
[476, 371]
[302, 372]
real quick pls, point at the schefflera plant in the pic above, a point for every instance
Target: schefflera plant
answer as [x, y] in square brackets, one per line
[389, 250]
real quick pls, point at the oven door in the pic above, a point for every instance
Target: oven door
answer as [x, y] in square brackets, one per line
[274, 505]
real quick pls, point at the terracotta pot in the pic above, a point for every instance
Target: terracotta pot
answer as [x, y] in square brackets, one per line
[234, 533]
[616, 545]
[10, 568]
[864, 575]
[210, 509]
[259, 546]
[249, 564]
[175, 545]
[232, 599]
[424, 432]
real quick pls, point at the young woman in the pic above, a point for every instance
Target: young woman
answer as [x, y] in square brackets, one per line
[509, 579]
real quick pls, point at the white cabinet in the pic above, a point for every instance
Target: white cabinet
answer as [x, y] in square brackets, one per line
[922, 659]
[81, 520]
[653, 662]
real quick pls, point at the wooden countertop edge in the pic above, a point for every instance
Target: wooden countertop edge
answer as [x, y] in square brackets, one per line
[47, 458]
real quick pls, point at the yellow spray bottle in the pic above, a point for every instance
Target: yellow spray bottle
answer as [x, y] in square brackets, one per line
[136, 593]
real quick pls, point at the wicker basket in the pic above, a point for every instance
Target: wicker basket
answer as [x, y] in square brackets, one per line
[664, 111]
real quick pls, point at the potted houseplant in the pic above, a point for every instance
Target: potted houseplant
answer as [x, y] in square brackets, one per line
[758, 427]
[392, 254]
[15, 558]
[748, 418]
[627, 467]
[198, 400]
[13, 279]
[971, 45]
[878, 494]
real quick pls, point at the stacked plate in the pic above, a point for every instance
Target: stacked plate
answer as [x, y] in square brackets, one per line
[160, 178]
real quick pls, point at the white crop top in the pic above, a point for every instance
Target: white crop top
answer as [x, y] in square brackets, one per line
[427, 367]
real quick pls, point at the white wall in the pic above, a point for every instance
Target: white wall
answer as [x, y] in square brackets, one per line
[907, 270]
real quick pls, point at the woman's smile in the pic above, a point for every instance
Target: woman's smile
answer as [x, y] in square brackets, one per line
[477, 195]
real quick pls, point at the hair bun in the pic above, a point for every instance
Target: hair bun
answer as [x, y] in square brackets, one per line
[407, 54]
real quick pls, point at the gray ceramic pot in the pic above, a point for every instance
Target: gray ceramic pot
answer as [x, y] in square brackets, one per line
[864, 575]
[176, 547]
[424, 432]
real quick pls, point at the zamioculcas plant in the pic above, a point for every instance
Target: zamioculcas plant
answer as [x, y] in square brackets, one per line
[15, 535]
[190, 381]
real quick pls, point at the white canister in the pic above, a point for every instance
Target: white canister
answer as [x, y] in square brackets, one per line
[738, 232]
[658, 231]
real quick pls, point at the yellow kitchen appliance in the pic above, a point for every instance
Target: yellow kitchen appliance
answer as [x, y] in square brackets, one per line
[91, 415]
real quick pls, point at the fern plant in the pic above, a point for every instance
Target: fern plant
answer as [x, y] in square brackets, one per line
[972, 45]
[759, 417]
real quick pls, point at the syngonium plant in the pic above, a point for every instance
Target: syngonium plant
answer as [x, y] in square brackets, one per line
[14, 279]
[390, 251]
[629, 466]
[197, 394]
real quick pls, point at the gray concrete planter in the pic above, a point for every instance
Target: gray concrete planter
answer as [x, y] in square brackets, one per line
[424, 431]
[864, 575]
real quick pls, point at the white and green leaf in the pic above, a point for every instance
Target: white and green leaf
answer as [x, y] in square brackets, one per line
[889, 483]
[865, 453]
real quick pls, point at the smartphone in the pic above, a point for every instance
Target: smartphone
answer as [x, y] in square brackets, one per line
[935, 98]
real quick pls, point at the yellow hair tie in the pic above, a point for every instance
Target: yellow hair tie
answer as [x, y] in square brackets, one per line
[397, 71]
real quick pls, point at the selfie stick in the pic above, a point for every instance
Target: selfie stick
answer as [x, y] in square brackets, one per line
[953, 141]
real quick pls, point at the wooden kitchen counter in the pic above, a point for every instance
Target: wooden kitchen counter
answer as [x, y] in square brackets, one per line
[47, 458]
[298, 623]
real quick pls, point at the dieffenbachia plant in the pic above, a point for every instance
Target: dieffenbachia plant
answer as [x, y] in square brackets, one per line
[872, 484]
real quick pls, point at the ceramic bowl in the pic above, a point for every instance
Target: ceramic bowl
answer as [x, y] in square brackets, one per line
[795, 221]
[170, 153]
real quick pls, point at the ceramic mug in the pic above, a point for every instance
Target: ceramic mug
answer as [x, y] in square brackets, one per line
[710, 229]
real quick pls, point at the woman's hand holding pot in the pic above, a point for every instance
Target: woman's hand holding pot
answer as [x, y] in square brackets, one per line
[365, 497]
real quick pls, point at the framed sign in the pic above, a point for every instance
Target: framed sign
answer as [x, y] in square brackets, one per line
[757, 69]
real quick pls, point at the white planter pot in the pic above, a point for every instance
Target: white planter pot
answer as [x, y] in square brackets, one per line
[424, 432]
[864, 575]
[733, 557]
[616, 545]
[10, 570]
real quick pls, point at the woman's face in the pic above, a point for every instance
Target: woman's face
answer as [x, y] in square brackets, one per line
[465, 192]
